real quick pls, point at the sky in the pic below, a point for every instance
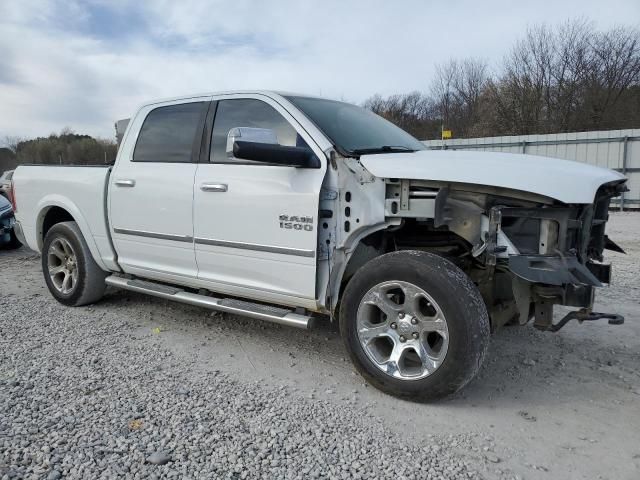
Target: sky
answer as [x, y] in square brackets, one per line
[85, 64]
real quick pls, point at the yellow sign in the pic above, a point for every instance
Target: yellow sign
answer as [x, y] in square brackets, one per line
[446, 134]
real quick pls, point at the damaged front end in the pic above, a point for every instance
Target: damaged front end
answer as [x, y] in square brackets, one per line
[529, 256]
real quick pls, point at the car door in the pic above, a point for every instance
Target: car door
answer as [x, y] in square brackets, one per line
[151, 191]
[255, 224]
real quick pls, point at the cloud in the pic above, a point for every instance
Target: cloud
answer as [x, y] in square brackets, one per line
[87, 64]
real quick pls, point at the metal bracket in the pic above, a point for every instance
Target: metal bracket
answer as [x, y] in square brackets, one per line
[582, 316]
[404, 195]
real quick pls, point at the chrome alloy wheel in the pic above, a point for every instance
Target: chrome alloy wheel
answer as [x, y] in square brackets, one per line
[62, 264]
[402, 330]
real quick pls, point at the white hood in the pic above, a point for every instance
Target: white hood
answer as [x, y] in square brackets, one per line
[563, 180]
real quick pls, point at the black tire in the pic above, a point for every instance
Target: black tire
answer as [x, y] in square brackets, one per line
[461, 304]
[90, 285]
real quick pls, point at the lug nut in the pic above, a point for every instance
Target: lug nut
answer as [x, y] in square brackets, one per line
[415, 335]
[401, 315]
[394, 325]
[402, 339]
[414, 321]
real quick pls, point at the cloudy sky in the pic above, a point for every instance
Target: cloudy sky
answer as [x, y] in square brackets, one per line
[84, 64]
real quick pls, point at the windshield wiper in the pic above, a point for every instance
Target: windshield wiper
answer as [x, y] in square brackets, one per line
[382, 149]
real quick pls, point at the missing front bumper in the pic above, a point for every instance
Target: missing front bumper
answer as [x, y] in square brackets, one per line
[542, 281]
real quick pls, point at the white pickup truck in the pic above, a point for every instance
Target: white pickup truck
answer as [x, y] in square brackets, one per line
[289, 208]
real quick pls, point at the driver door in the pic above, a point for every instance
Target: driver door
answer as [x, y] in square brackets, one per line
[249, 236]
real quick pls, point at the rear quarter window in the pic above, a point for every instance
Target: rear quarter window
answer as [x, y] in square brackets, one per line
[171, 134]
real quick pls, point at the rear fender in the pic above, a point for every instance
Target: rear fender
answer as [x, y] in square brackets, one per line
[56, 200]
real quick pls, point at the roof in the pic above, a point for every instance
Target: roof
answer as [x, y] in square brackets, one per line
[268, 93]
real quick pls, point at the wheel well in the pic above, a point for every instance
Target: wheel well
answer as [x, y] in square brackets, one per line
[54, 215]
[410, 235]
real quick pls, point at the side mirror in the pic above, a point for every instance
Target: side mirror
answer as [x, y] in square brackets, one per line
[300, 157]
[249, 134]
[261, 145]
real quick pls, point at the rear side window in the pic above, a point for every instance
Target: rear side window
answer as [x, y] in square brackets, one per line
[169, 134]
[248, 112]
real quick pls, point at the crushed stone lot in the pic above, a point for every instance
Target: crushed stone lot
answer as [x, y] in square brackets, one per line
[137, 387]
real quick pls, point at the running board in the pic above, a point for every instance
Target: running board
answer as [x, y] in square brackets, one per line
[283, 316]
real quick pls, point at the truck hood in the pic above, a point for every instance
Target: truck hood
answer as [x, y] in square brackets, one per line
[563, 180]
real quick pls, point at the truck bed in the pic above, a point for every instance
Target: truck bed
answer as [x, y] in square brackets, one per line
[80, 190]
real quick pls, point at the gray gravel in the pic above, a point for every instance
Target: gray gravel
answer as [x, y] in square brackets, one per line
[84, 393]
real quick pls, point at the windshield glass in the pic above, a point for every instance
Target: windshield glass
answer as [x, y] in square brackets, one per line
[353, 129]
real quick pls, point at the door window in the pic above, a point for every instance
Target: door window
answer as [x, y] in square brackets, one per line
[248, 112]
[169, 134]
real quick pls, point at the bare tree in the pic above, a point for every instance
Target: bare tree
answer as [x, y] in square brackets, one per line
[410, 112]
[12, 142]
[555, 79]
[456, 91]
[615, 68]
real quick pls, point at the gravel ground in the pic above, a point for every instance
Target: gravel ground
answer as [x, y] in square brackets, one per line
[135, 387]
[84, 396]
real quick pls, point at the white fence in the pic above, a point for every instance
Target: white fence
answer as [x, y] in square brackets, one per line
[615, 149]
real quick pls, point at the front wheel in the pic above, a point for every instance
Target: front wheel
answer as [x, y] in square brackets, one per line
[414, 324]
[71, 273]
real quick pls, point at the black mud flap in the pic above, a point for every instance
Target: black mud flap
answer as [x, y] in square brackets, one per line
[582, 316]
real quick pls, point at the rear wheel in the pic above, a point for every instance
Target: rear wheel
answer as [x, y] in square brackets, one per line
[71, 274]
[415, 325]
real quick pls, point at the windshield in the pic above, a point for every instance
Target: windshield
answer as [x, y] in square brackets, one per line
[355, 130]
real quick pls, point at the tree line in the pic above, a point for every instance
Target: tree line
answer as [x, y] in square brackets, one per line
[65, 148]
[555, 79]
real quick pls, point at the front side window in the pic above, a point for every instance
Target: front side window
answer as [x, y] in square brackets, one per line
[168, 134]
[248, 112]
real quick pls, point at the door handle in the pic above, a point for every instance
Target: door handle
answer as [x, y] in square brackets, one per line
[125, 183]
[213, 187]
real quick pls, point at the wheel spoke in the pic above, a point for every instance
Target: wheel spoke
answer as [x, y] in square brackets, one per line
[66, 283]
[56, 270]
[368, 333]
[57, 251]
[380, 300]
[438, 325]
[392, 364]
[66, 247]
[412, 297]
[429, 363]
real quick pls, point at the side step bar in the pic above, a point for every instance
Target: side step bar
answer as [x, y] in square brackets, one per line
[259, 311]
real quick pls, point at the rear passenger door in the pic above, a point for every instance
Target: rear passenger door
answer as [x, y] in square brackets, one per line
[247, 239]
[151, 191]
